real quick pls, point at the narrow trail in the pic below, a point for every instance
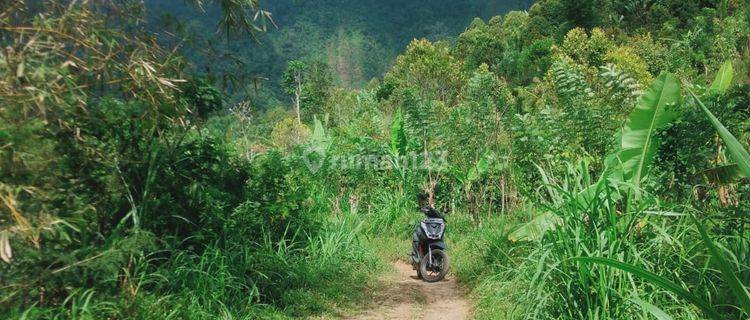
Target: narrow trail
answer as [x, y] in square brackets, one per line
[404, 296]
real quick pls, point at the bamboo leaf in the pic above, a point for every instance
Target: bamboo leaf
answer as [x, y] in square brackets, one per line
[639, 141]
[723, 79]
[656, 280]
[736, 150]
[727, 272]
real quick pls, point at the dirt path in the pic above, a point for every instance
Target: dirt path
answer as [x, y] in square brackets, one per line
[404, 296]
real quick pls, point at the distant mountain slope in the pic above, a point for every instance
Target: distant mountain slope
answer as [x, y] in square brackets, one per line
[358, 39]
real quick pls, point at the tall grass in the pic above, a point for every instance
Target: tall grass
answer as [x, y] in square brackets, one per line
[301, 275]
[539, 279]
[298, 275]
[392, 214]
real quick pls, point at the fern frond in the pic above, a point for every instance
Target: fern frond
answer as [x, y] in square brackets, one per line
[619, 83]
[569, 81]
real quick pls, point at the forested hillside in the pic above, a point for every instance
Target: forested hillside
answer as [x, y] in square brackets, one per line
[357, 40]
[590, 157]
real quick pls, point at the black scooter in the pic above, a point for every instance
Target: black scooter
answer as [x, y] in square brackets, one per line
[430, 259]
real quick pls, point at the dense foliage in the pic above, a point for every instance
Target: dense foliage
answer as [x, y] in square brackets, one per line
[590, 156]
[356, 40]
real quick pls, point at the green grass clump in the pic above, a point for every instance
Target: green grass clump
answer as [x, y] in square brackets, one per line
[292, 277]
[298, 276]
[539, 279]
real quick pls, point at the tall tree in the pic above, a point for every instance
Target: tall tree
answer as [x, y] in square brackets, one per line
[292, 82]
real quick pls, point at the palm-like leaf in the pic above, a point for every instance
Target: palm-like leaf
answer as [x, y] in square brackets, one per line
[639, 141]
[720, 86]
[736, 150]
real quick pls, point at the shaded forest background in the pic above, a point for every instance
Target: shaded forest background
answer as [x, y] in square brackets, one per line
[357, 40]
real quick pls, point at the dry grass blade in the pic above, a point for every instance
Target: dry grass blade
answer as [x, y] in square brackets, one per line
[5, 250]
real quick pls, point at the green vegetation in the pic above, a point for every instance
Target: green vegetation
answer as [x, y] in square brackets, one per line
[591, 157]
[355, 40]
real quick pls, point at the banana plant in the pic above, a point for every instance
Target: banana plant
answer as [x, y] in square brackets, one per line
[742, 159]
[637, 148]
[638, 141]
[729, 172]
[720, 86]
[536, 228]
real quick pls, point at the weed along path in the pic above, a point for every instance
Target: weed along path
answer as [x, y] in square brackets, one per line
[403, 296]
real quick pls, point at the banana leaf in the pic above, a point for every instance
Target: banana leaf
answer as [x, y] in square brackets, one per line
[639, 142]
[736, 151]
[535, 229]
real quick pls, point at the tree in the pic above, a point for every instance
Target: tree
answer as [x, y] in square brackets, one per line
[200, 97]
[310, 86]
[429, 70]
[582, 13]
[481, 43]
[316, 88]
[288, 133]
[292, 82]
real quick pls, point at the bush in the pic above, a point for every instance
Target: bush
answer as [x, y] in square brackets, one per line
[200, 97]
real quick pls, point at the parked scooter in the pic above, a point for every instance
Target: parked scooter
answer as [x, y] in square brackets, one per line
[429, 257]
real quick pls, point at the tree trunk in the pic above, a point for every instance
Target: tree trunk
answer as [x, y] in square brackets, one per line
[297, 94]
